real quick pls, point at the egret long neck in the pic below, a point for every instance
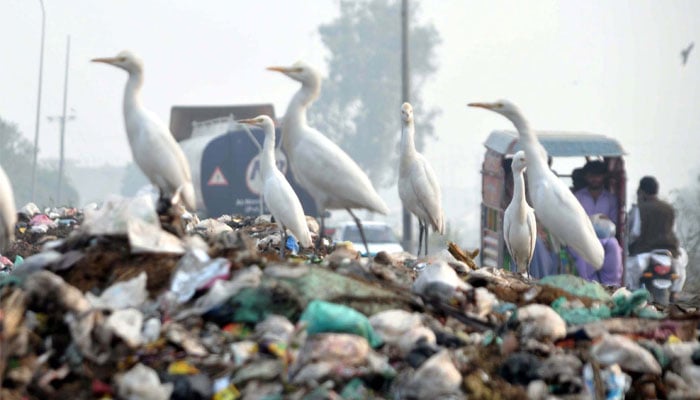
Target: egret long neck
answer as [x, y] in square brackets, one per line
[267, 158]
[295, 118]
[132, 96]
[519, 193]
[408, 145]
[536, 154]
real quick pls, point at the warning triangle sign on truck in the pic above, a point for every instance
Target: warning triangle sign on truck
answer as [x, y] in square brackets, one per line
[217, 178]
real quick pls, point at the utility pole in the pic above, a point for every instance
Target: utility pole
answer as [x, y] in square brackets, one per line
[63, 118]
[38, 102]
[405, 96]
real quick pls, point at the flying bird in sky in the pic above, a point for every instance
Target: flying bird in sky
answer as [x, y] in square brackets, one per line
[686, 52]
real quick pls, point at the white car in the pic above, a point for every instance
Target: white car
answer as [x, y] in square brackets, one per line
[380, 237]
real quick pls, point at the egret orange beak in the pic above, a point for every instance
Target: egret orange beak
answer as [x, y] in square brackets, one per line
[250, 121]
[278, 69]
[487, 106]
[284, 70]
[106, 60]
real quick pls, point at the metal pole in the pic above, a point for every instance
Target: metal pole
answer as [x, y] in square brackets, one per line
[63, 126]
[38, 102]
[405, 95]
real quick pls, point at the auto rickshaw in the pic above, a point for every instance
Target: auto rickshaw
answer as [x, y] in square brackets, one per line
[568, 152]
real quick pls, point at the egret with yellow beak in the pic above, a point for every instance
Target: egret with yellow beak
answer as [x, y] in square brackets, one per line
[153, 147]
[555, 206]
[519, 225]
[278, 194]
[330, 176]
[419, 189]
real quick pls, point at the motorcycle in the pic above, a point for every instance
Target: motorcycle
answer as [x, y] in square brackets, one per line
[659, 274]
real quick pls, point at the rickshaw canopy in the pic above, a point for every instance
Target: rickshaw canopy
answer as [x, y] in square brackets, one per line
[558, 144]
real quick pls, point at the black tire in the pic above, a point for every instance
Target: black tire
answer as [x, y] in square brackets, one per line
[660, 296]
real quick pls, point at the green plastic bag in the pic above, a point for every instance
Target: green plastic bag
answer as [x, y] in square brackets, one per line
[577, 286]
[579, 315]
[322, 316]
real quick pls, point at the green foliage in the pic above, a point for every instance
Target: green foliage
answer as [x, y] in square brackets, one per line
[360, 100]
[16, 159]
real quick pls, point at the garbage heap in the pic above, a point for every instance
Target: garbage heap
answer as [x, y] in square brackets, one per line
[112, 305]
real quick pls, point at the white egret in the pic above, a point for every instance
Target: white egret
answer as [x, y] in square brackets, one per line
[277, 192]
[8, 213]
[519, 226]
[332, 178]
[555, 206]
[419, 190]
[152, 145]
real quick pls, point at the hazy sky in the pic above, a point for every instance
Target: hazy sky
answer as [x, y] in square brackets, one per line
[610, 67]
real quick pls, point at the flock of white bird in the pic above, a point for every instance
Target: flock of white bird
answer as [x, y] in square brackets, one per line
[335, 181]
[555, 205]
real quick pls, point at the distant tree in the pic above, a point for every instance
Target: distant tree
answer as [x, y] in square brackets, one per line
[16, 159]
[15, 151]
[360, 100]
[687, 204]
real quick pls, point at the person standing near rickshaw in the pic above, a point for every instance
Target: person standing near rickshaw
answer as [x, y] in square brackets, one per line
[595, 198]
[602, 206]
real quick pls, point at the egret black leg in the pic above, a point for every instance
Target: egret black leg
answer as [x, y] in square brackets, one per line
[362, 232]
[284, 241]
[426, 228]
[320, 232]
[163, 203]
[420, 237]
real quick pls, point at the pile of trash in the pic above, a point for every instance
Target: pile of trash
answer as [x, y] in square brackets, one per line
[111, 302]
[34, 228]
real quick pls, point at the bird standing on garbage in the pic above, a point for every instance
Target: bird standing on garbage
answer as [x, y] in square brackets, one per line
[277, 192]
[8, 213]
[519, 225]
[152, 145]
[555, 206]
[332, 178]
[418, 188]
